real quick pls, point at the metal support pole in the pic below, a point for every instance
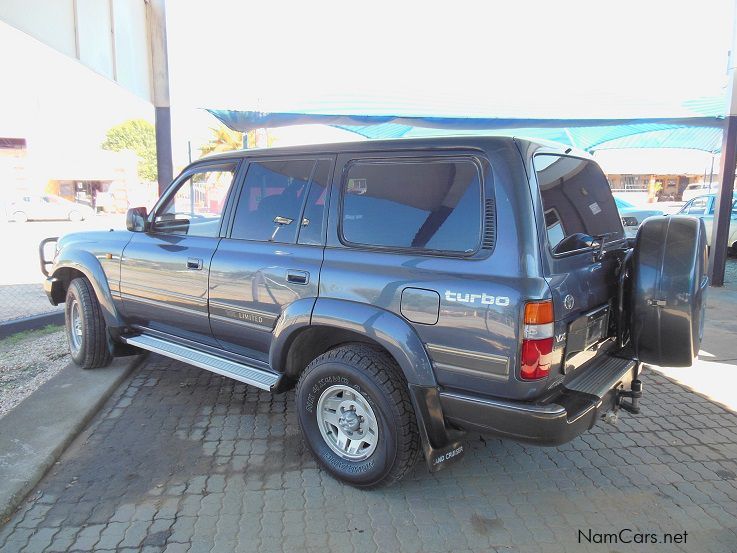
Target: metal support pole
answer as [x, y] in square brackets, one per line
[723, 207]
[160, 80]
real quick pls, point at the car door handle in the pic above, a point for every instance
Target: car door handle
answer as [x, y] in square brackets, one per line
[194, 263]
[298, 277]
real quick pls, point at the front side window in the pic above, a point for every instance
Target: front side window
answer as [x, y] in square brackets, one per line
[271, 201]
[196, 208]
[431, 204]
[577, 202]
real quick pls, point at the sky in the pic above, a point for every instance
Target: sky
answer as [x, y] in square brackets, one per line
[541, 58]
[566, 57]
[545, 59]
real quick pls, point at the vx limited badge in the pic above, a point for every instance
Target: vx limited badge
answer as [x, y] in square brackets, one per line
[484, 299]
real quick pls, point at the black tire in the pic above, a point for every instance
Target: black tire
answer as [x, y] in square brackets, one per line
[374, 375]
[89, 344]
[669, 284]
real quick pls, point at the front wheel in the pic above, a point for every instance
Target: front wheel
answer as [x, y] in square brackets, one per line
[85, 326]
[75, 216]
[356, 416]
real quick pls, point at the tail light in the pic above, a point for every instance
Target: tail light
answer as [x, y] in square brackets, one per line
[537, 342]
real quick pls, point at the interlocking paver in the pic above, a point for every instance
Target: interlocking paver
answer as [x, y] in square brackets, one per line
[183, 460]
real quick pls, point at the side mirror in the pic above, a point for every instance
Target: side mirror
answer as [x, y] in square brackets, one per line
[136, 219]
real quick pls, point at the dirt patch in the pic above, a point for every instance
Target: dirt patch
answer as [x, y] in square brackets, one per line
[27, 360]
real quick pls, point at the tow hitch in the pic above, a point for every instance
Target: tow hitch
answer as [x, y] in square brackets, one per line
[634, 394]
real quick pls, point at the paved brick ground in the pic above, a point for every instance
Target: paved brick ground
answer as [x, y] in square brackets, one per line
[182, 460]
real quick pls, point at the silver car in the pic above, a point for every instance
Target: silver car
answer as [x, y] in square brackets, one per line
[703, 207]
[46, 208]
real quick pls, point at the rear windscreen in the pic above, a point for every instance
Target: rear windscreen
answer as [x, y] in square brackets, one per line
[576, 199]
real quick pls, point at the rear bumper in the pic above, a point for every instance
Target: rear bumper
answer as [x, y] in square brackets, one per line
[558, 420]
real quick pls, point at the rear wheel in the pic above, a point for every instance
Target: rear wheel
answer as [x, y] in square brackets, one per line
[669, 283]
[86, 330]
[20, 217]
[75, 216]
[356, 416]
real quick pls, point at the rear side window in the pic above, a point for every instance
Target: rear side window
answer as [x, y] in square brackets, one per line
[576, 199]
[430, 204]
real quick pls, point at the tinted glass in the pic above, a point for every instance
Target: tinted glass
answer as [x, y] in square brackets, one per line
[271, 200]
[430, 205]
[576, 199]
[196, 208]
[313, 218]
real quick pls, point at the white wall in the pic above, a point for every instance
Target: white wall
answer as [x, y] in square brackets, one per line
[108, 36]
[62, 108]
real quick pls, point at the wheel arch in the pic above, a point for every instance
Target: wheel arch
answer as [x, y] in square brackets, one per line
[71, 265]
[307, 329]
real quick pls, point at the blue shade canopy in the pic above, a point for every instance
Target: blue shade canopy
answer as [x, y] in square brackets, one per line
[697, 124]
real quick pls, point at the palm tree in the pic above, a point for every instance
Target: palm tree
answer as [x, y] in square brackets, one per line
[223, 140]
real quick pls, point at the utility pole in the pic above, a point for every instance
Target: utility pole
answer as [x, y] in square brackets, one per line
[723, 208]
[160, 80]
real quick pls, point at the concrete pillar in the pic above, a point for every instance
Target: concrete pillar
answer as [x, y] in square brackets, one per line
[160, 81]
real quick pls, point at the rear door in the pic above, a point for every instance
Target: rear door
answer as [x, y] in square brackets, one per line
[577, 204]
[271, 256]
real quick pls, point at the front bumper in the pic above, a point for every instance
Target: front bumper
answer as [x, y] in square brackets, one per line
[49, 285]
[574, 409]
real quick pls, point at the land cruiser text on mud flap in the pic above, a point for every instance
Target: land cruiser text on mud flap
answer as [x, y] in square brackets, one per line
[411, 291]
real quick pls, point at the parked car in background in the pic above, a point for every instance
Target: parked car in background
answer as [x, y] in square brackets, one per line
[633, 216]
[46, 208]
[699, 189]
[703, 207]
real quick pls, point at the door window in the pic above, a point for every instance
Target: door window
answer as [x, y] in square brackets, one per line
[196, 208]
[313, 219]
[431, 204]
[271, 201]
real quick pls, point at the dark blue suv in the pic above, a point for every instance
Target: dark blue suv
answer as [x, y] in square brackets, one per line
[411, 291]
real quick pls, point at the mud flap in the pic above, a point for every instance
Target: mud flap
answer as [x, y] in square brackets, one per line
[441, 446]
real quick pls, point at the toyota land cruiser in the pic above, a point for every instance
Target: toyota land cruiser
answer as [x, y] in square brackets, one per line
[411, 291]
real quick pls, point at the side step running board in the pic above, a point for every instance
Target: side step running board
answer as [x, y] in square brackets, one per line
[225, 367]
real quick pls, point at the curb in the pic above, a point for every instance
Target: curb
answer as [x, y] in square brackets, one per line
[39, 429]
[34, 322]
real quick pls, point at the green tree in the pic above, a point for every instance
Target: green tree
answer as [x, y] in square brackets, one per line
[223, 140]
[140, 136]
